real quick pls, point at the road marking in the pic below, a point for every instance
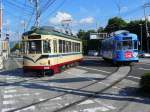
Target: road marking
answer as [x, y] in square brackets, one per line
[95, 69]
[8, 78]
[8, 102]
[106, 105]
[97, 109]
[9, 87]
[10, 91]
[59, 98]
[7, 109]
[86, 102]
[15, 95]
[134, 77]
[41, 99]
[144, 69]
[25, 109]
[8, 96]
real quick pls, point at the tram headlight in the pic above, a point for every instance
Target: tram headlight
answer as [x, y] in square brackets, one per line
[49, 62]
[135, 54]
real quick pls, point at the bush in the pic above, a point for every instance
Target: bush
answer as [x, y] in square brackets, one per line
[145, 82]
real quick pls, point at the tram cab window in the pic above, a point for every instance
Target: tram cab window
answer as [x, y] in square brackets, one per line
[46, 46]
[34, 46]
[135, 45]
[126, 45]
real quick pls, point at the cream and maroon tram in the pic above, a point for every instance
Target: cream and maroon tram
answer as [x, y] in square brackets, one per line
[46, 49]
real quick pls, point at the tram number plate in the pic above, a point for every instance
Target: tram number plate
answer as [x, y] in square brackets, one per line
[46, 68]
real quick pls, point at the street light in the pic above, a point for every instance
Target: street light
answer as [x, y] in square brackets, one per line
[141, 37]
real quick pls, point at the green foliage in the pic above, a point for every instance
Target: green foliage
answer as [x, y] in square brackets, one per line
[145, 82]
[115, 24]
[16, 47]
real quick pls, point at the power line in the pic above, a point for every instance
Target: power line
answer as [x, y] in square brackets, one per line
[57, 8]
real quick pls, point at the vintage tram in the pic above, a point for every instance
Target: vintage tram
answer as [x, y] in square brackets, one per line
[48, 50]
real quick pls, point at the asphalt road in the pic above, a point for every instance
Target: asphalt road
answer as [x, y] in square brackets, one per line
[27, 93]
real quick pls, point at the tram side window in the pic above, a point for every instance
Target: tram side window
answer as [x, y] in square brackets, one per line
[64, 46]
[60, 46]
[55, 46]
[46, 46]
[118, 45]
[67, 46]
[135, 45]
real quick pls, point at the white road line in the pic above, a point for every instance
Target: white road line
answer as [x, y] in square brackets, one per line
[25, 109]
[8, 102]
[97, 109]
[8, 96]
[9, 87]
[144, 69]
[95, 69]
[106, 105]
[134, 77]
[15, 95]
[6, 109]
[8, 78]
[86, 102]
[10, 91]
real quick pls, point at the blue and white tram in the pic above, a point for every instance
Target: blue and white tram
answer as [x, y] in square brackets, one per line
[122, 47]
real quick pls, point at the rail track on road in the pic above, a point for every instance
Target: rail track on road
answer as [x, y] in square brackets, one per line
[107, 80]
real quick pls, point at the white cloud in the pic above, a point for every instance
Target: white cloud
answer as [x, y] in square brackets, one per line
[60, 16]
[88, 20]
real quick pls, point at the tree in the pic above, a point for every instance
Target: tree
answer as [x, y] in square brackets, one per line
[16, 47]
[134, 27]
[115, 24]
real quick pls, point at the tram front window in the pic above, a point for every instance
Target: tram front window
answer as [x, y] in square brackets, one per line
[127, 45]
[35, 47]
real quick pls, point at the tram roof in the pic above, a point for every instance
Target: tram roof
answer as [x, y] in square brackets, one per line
[49, 31]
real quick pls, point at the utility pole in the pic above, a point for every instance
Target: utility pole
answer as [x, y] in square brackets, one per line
[1, 26]
[146, 26]
[1, 18]
[141, 37]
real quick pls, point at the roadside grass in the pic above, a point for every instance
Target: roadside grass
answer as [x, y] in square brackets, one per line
[145, 84]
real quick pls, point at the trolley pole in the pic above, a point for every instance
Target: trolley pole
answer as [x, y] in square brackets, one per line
[37, 13]
[146, 26]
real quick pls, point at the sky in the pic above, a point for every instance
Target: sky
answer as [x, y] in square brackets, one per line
[84, 14]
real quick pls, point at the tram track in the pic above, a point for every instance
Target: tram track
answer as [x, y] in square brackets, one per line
[92, 95]
[71, 92]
